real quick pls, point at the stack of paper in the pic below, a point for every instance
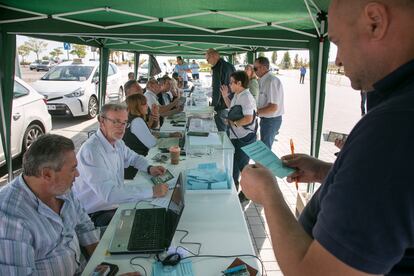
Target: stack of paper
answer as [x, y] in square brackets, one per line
[211, 139]
[207, 177]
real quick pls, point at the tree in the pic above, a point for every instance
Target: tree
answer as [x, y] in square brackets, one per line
[36, 46]
[261, 54]
[79, 50]
[56, 53]
[296, 63]
[274, 57]
[23, 51]
[286, 62]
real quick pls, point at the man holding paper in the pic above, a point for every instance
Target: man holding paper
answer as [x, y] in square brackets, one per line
[360, 221]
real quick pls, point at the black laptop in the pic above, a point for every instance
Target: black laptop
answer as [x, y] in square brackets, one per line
[148, 230]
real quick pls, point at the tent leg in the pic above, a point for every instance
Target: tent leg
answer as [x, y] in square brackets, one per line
[250, 57]
[103, 75]
[7, 70]
[136, 64]
[321, 57]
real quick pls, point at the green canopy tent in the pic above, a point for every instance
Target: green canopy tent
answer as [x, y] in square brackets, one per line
[185, 27]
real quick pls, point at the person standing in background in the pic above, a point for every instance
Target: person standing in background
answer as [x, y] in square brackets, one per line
[270, 106]
[221, 71]
[302, 74]
[253, 83]
[182, 69]
[194, 70]
[131, 76]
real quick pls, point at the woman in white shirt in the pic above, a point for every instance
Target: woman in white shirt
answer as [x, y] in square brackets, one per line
[242, 131]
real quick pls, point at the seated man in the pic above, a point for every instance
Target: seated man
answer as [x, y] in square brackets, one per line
[132, 87]
[102, 160]
[42, 224]
[153, 89]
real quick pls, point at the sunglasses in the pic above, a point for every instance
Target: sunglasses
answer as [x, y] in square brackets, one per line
[116, 122]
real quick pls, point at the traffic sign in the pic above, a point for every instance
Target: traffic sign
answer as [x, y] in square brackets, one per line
[66, 46]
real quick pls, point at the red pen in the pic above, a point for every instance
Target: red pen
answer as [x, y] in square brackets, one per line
[292, 150]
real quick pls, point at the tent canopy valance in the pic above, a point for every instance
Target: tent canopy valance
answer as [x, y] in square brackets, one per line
[182, 27]
[170, 26]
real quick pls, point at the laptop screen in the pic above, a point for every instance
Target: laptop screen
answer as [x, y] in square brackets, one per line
[175, 208]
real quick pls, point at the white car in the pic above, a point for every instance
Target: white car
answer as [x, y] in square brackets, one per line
[240, 67]
[71, 88]
[143, 71]
[274, 68]
[30, 118]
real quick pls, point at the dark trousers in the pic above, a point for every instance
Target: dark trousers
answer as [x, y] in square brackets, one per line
[240, 158]
[196, 76]
[269, 128]
[219, 119]
[102, 218]
[302, 78]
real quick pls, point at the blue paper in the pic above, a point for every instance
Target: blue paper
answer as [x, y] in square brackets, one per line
[260, 153]
[198, 185]
[222, 185]
[183, 268]
[207, 177]
[207, 166]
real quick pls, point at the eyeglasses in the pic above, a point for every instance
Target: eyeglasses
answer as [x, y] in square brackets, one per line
[116, 122]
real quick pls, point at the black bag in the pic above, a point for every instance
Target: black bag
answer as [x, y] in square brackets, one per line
[235, 113]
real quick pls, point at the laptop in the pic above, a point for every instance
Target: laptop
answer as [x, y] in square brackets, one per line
[148, 230]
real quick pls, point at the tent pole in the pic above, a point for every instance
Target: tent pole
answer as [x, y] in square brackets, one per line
[7, 70]
[136, 63]
[103, 74]
[250, 57]
[318, 108]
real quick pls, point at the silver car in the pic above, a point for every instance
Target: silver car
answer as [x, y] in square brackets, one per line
[30, 118]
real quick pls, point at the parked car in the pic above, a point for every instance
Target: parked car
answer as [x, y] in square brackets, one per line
[34, 64]
[71, 88]
[274, 68]
[45, 65]
[143, 71]
[30, 118]
[240, 67]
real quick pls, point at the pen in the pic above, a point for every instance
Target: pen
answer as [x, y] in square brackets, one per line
[292, 149]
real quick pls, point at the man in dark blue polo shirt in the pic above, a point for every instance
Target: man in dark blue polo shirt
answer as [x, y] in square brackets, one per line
[361, 220]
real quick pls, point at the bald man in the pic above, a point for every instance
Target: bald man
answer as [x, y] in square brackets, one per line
[361, 220]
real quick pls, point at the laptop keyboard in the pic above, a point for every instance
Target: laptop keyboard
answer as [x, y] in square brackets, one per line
[147, 230]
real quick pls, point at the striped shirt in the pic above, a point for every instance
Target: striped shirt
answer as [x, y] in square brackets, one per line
[35, 240]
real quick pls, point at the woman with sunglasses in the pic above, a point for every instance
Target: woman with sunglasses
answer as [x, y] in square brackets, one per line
[242, 131]
[138, 136]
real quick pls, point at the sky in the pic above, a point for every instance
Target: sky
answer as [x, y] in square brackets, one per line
[53, 44]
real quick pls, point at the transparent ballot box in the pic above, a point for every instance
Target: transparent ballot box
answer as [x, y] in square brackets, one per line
[212, 156]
